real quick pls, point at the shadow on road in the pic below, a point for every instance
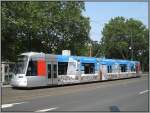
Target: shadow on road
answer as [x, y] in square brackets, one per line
[114, 109]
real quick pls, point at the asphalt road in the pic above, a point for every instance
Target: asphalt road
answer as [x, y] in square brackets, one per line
[120, 95]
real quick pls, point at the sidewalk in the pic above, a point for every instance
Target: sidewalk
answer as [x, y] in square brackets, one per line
[145, 74]
[6, 86]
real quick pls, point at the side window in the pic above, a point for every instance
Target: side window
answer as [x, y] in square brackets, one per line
[49, 71]
[109, 69]
[55, 70]
[32, 68]
[88, 68]
[132, 68]
[123, 67]
[62, 68]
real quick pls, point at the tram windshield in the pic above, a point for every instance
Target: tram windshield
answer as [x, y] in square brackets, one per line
[21, 64]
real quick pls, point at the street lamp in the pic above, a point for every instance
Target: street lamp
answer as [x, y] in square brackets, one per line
[90, 49]
[131, 47]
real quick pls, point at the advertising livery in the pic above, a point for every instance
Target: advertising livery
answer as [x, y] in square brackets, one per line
[40, 69]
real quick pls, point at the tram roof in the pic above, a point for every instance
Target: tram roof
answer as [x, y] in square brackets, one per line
[83, 59]
[65, 58]
[88, 59]
[116, 61]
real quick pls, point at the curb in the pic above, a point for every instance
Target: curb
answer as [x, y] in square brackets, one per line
[6, 86]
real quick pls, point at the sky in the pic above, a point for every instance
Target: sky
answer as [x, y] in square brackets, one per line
[101, 12]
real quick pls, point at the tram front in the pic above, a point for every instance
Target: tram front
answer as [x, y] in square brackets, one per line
[19, 79]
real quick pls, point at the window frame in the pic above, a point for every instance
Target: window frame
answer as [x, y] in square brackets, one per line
[91, 67]
[62, 69]
[33, 71]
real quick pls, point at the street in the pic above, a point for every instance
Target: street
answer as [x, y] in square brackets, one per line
[119, 95]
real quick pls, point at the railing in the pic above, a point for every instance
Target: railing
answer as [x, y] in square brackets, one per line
[7, 72]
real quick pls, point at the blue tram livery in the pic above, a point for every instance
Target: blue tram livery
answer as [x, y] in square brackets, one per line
[40, 69]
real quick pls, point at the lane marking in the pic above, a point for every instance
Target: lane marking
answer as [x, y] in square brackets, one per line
[142, 92]
[44, 110]
[11, 105]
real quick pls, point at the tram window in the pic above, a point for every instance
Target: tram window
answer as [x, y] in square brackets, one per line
[32, 68]
[89, 68]
[132, 68]
[49, 71]
[123, 67]
[62, 68]
[109, 69]
[6, 69]
[55, 70]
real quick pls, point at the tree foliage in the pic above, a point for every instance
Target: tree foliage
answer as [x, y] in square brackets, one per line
[43, 27]
[123, 36]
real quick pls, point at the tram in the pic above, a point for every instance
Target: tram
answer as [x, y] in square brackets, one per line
[39, 69]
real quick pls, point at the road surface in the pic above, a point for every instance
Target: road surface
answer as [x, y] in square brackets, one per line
[120, 95]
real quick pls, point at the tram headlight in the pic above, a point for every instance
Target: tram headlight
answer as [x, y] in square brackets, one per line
[23, 82]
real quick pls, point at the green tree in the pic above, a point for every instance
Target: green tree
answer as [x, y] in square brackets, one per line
[126, 39]
[43, 27]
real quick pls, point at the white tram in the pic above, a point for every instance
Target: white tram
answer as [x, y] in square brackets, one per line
[39, 69]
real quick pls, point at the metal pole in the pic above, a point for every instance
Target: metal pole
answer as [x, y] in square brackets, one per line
[131, 47]
[90, 52]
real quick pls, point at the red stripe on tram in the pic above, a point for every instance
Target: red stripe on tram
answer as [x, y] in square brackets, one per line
[41, 67]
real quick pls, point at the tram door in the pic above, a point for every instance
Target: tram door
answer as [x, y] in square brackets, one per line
[103, 72]
[52, 73]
